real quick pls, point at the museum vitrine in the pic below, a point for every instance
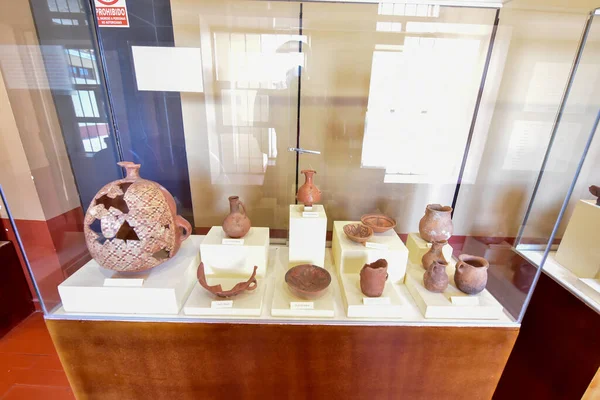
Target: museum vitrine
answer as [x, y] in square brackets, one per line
[289, 163]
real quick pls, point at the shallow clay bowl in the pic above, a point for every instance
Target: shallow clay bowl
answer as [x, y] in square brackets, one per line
[307, 281]
[358, 233]
[378, 222]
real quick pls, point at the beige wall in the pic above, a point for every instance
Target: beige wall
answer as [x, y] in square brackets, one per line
[35, 117]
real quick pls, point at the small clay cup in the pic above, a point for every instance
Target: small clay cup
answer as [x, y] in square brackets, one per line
[435, 278]
[471, 273]
[378, 222]
[358, 233]
[307, 281]
[373, 277]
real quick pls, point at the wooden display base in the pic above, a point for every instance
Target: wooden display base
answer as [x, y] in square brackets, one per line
[247, 304]
[360, 306]
[452, 303]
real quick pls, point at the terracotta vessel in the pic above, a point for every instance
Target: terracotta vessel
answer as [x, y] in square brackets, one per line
[237, 223]
[378, 222]
[132, 224]
[308, 194]
[435, 278]
[471, 273]
[434, 254]
[436, 224]
[358, 233]
[373, 277]
[218, 291]
[595, 191]
[307, 281]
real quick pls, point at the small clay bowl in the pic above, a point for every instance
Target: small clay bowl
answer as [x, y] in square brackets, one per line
[378, 222]
[358, 233]
[307, 281]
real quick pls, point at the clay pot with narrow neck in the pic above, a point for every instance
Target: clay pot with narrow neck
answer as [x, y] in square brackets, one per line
[434, 254]
[132, 224]
[237, 223]
[471, 273]
[308, 194]
[373, 277]
[436, 224]
[435, 278]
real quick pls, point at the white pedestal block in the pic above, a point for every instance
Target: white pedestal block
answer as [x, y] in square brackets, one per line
[247, 304]
[579, 249]
[163, 289]
[494, 253]
[452, 304]
[307, 235]
[417, 248]
[358, 307]
[235, 259]
[350, 257]
[283, 302]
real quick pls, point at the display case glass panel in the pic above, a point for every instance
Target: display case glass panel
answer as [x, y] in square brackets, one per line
[227, 104]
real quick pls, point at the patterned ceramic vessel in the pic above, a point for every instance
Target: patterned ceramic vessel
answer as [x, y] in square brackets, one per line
[132, 224]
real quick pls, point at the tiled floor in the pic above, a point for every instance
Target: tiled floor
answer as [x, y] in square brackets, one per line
[29, 366]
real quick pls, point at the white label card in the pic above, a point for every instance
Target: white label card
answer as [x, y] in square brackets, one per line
[373, 245]
[310, 214]
[221, 304]
[302, 305]
[375, 301]
[238, 242]
[123, 282]
[464, 300]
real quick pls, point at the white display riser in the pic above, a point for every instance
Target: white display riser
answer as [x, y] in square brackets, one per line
[500, 253]
[355, 303]
[579, 250]
[235, 259]
[247, 304]
[440, 305]
[417, 248]
[163, 289]
[566, 278]
[350, 256]
[307, 235]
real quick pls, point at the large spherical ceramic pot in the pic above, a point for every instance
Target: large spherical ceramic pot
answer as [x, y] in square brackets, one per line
[308, 194]
[436, 224]
[237, 223]
[132, 224]
[471, 273]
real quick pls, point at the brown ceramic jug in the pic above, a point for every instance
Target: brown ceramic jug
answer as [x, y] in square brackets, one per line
[132, 224]
[436, 224]
[435, 278]
[237, 223]
[434, 254]
[471, 273]
[308, 194]
[373, 277]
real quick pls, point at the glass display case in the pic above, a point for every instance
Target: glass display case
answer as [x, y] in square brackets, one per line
[395, 106]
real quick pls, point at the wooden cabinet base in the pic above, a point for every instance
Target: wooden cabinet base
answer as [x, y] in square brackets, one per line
[141, 360]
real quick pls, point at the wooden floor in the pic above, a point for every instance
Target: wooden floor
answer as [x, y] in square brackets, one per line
[29, 366]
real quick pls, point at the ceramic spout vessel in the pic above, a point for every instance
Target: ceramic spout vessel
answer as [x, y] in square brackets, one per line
[308, 194]
[434, 254]
[132, 224]
[373, 277]
[471, 273]
[436, 224]
[435, 278]
[237, 223]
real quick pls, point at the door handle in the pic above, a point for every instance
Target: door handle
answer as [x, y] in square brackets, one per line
[301, 151]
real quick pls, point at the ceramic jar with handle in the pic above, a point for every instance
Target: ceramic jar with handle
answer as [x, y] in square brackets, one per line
[308, 194]
[237, 224]
[471, 273]
[435, 278]
[373, 277]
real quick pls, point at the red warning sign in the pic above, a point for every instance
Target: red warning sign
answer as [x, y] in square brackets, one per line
[112, 13]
